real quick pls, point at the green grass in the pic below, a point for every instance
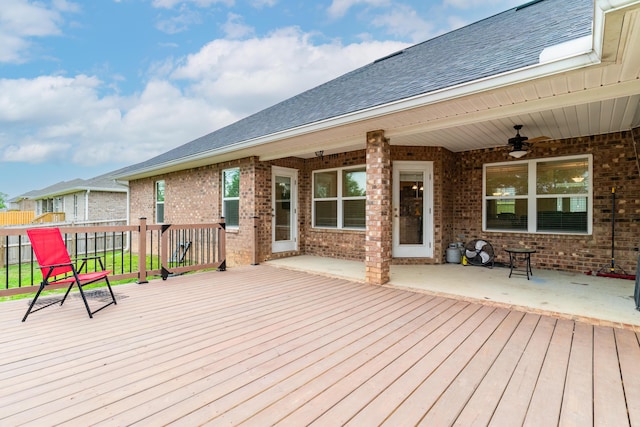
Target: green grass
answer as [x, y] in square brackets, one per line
[21, 275]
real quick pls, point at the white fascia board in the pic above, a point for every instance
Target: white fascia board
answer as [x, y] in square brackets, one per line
[613, 5]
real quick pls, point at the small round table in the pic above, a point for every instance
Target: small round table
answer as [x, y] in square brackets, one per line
[522, 255]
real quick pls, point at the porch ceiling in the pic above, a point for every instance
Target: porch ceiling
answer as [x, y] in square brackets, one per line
[597, 99]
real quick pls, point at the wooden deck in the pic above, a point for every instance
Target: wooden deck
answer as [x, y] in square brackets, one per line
[262, 346]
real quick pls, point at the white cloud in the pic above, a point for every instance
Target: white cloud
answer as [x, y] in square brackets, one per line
[12, 48]
[339, 8]
[170, 4]
[259, 4]
[179, 23]
[65, 6]
[235, 28]
[471, 4]
[45, 99]
[34, 152]
[252, 74]
[21, 21]
[67, 115]
[404, 22]
[68, 118]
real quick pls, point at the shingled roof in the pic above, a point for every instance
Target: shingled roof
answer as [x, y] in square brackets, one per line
[505, 42]
[99, 183]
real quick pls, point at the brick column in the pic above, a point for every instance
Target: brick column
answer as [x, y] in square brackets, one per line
[378, 214]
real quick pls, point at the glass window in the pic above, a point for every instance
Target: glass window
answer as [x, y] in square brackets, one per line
[159, 202]
[354, 183]
[231, 197]
[507, 180]
[562, 177]
[546, 196]
[325, 185]
[339, 198]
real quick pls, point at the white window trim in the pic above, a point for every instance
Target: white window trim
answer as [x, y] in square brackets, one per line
[339, 198]
[532, 196]
[155, 196]
[224, 183]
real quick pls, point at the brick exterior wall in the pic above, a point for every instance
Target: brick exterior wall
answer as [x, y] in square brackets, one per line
[193, 196]
[615, 164]
[341, 244]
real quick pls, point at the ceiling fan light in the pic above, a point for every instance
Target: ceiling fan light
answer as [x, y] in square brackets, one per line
[517, 153]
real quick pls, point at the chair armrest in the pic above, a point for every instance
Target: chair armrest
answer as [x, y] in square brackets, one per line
[85, 258]
[89, 258]
[56, 265]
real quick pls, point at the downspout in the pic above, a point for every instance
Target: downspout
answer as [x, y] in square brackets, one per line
[86, 205]
[128, 210]
[635, 149]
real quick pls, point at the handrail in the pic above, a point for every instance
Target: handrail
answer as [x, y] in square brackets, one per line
[49, 217]
[151, 243]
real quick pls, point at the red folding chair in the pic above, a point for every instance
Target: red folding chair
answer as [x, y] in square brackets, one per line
[58, 268]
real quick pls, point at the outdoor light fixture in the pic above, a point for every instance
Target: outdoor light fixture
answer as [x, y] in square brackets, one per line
[517, 153]
[518, 144]
[320, 153]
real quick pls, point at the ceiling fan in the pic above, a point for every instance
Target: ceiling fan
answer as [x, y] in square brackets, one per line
[520, 143]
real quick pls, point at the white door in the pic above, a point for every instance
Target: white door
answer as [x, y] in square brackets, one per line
[284, 209]
[412, 209]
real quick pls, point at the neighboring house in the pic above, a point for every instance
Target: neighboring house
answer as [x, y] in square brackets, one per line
[394, 161]
[22, 203]
[95, 199]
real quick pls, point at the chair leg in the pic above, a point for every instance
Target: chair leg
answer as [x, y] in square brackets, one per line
[84, 299]
[86, 303]
[33, 302]
[64, 298]
[113, 297]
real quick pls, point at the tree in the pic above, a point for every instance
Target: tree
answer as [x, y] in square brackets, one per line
[3, 198]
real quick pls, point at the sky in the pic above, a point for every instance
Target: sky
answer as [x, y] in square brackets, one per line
[90, 86]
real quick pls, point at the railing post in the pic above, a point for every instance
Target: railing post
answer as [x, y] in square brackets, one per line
[222, 251]
[256, 245]
[164, 251]
[142, 251]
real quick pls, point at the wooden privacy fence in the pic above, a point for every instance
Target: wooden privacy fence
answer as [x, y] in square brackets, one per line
[16, 218]
[130, 251]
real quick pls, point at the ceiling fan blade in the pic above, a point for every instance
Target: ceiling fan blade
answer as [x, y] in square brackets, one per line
[539, 139]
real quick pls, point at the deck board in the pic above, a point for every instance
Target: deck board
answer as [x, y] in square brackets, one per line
[577, 402]
[452, 401]
[609, 404]
[546, 401]
[480, 407]
[262, 346]
[513, 405]
[429, 390]
[629, 355]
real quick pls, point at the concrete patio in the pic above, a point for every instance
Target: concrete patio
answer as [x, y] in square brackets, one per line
[599, 300]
